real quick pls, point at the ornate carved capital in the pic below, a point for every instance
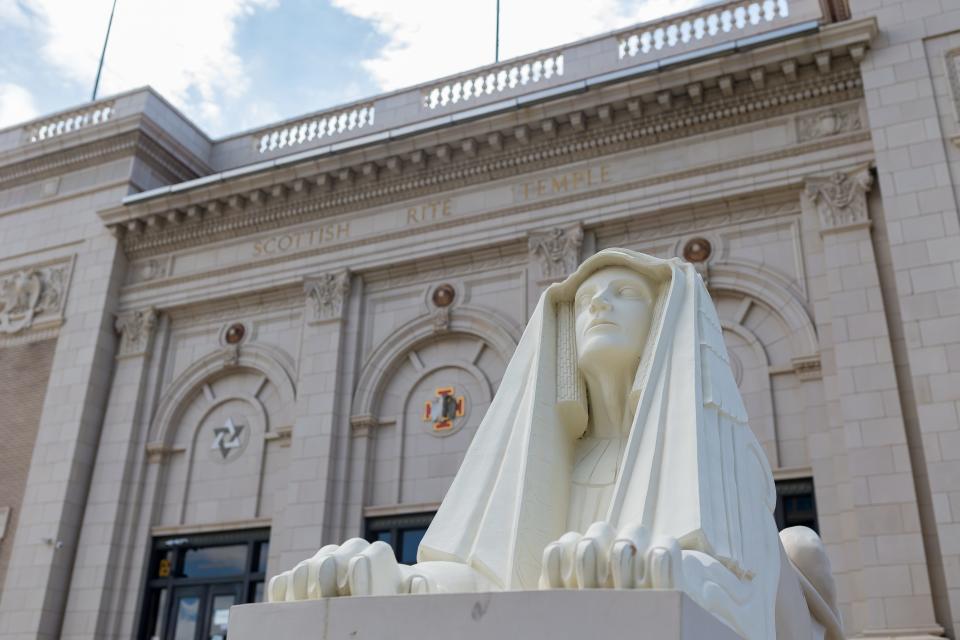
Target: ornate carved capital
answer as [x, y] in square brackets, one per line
[841, 200]
[557, 250]
[326, 296]
[136, 330]
[29, 295]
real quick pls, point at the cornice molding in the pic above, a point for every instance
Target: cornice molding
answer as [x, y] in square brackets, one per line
[236, 210]
[125, 143]
[398, 235]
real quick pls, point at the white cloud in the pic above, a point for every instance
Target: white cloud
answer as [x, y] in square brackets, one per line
[185, 49]
[428, 39]
[16, 104]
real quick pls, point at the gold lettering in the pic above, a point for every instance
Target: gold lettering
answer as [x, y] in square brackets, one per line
[566, 182]
[428, 211]
[257, 248]
[343, 230]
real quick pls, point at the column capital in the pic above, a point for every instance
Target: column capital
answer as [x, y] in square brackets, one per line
[557, 250]
[840, 199]
[326, 295]
[136, 331]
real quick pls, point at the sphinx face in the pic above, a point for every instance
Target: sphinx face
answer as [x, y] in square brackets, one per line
[614, 310]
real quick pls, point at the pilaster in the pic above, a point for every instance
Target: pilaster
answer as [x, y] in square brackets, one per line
[34, 595]
[98, 572]
[871, 512]
[316, 446]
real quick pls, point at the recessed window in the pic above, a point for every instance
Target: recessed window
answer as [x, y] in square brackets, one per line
[796, 505]
[403, 533]
[194, 580]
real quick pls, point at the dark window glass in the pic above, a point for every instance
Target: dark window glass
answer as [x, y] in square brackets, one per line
[263, 552]
[796, 504]
[411, 542]
[193, 580]
[403, 533]
[214, 562]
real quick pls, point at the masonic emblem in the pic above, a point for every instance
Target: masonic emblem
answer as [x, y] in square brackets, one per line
[227, 437]
[442, 410]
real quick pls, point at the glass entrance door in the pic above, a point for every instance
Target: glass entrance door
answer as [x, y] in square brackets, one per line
[185, 613]
[219, 600]
[194, 580]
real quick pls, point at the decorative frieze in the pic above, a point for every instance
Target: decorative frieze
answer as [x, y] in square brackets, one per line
[841, 199]
[136, 330]
[557, 250]
[487, 160]
[327, 295]
[32, 296]
[829, 122]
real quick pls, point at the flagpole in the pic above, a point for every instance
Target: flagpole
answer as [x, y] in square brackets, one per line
[496, 53]
[103, 53]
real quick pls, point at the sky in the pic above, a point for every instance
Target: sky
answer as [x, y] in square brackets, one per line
[233, 65]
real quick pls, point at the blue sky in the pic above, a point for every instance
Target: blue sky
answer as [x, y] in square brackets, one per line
[231, 65]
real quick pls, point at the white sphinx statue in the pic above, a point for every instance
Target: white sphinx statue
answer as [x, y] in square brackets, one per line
[616, 454]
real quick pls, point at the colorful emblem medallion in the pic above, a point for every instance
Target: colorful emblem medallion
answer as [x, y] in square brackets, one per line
[443, 409]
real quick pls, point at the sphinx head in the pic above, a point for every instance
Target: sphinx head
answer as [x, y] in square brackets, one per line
[613, 309]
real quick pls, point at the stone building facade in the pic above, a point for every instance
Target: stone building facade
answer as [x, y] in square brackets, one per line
[218, 355]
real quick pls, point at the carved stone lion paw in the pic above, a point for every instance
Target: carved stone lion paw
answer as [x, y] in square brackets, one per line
[356, 567]
[605, 558]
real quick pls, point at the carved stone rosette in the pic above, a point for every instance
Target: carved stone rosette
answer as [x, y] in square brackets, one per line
[29, 296]
[557, 250]
[136, 330]
[841, 200]
[326, 296]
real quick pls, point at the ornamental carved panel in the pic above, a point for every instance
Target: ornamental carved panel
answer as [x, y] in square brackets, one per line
[33, 296]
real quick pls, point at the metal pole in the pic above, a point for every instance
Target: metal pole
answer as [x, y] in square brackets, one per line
[96, 83]
[496, 53]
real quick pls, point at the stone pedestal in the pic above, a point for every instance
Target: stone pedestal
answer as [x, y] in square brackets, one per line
[578, 615]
